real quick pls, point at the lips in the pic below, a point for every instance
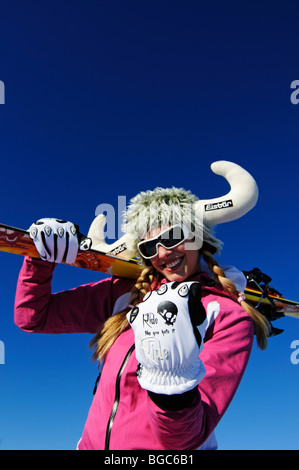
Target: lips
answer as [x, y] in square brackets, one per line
[172, 265]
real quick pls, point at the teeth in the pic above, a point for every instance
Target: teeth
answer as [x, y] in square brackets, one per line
[173, 264]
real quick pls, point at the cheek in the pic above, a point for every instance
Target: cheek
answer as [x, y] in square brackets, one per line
[180, 248]
[154, 262]
[192, 259]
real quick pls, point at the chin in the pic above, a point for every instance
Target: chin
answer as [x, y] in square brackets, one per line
[178, 277]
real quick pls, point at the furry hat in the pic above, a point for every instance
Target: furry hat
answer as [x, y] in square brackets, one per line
[161, 208]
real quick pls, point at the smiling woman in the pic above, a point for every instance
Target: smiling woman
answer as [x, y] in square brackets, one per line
[165, 341]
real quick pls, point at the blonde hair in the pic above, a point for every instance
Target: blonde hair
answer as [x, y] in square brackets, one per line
[118, 323]
[261, 324]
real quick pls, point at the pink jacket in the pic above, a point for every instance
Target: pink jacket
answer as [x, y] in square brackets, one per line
[122, 416]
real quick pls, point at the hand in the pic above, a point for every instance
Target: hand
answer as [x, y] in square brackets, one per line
[169, 327]
[55, 240]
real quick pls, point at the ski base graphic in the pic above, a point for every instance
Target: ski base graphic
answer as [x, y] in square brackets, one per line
[18, 241]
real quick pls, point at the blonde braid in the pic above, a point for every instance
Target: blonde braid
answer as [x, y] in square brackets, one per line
[117, 323]
[261, 324]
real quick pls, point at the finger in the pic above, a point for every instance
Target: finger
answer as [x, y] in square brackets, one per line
[72, 245]
[60, 245]
[47, 238]
[196, 309]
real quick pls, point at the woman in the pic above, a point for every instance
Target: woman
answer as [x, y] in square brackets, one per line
[167, 376]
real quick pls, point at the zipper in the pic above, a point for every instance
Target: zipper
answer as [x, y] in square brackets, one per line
[116, 397]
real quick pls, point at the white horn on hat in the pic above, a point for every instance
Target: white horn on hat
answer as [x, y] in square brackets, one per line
[97, 237]
[241, 198]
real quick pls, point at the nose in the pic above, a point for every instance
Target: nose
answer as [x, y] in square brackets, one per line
[163, 252]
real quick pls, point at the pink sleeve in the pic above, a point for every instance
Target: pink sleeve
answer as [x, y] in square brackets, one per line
[225, 355]
[79, 310]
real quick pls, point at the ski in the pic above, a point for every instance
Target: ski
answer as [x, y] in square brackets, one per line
[18, 241]
[266, 299]
[284, 306]
[258, 291]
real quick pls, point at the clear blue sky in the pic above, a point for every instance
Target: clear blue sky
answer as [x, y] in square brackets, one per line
[106, 98]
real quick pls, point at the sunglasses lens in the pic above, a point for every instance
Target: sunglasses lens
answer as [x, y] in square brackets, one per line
[172, 237]
[169, 239]
[148, 249]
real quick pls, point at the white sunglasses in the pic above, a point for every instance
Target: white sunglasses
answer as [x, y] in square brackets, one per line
[169, 238]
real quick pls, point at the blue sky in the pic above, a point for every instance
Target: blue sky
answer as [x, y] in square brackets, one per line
[107, 98]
